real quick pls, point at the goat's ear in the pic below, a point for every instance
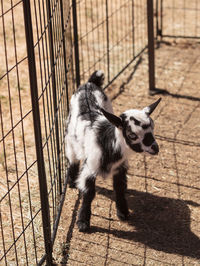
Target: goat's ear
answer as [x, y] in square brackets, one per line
[149, 109]
[113, 119]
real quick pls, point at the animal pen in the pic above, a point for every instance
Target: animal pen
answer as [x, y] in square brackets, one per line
[48, 48]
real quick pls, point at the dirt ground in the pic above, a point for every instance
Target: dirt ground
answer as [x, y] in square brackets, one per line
[163, 191]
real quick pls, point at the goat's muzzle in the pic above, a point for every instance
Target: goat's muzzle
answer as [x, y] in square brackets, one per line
[154, 149]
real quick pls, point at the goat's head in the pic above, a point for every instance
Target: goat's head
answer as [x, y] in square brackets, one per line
[137, 127]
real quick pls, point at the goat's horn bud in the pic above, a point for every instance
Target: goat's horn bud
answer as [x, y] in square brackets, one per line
[152, 107]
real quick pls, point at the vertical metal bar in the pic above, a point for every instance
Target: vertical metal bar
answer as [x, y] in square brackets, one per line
[133, 28]
[151, 55]
[157, 20]
[9, 197]
[54, 88]
[2, 131]
[161, 17]
[76, 45]
[37, 131]
[64, 51]
[108, 45]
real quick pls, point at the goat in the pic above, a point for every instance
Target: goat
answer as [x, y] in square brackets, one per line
[102, 143]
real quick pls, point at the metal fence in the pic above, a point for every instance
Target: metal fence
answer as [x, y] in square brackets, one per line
[178, 19]
[173, 20]
[47, 48]
[111, 35]
[34, 86]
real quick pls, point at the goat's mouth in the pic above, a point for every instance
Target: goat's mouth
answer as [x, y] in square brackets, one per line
[154, 149]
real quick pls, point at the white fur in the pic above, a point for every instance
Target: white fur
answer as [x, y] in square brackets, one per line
[99, 73]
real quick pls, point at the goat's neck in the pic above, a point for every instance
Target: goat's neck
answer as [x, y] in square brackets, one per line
[121, 141]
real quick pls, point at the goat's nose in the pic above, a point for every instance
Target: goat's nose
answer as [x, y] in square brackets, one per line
[155, 147]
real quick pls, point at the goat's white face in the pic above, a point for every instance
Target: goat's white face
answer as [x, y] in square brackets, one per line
[138, 132]
[138, 128]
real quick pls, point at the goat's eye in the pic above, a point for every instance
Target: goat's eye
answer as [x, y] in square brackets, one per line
[132, 136]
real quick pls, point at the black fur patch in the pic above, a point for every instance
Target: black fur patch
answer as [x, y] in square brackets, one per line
[91, 87]
[136, 147]
[97, 80]
[148, 139]
[115, 120]
[87, 102]
[123, 117]
[137, 123]
[146, 126]
[72, 174]
[106, 140]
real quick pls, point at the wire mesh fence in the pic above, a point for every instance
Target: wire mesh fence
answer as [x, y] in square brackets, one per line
[175, 22]
[178, 19]
[110, 35]
[47, 48]
[32, 125]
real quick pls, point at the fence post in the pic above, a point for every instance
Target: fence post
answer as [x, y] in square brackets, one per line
[159, 18]
[64, 51]
[37, 131]
[133, 29]
[108, 44]
[151, 54]
[49, 17]
[76, 46]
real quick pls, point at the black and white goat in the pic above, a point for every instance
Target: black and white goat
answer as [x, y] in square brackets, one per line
[102, 142]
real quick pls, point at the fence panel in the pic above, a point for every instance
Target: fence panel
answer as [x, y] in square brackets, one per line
[111, 34]
[183, 16]
[39, 72]
[21, 223]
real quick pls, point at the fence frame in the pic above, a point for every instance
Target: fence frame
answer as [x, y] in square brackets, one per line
[151, 50]
[37, 131]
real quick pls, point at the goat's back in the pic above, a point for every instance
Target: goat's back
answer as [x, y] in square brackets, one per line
[90, 136]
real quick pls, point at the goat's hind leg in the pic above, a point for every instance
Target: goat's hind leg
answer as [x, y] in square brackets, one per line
[87, 187]
[73, 163]
[120, 186]
[72, 173]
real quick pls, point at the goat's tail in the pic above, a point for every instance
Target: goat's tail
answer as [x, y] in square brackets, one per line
[97, 78]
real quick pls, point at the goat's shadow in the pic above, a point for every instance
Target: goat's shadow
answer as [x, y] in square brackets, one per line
[158, 222]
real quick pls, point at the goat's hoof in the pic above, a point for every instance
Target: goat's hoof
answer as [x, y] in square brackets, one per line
[123, 216]
[72, 185]
[83, 226]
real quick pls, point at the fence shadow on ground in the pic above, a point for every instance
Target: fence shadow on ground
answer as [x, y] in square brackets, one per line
[174, 95]
[160, 223]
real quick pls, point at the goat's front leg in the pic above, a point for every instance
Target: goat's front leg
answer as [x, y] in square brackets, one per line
[85, 210]
[120, 186]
